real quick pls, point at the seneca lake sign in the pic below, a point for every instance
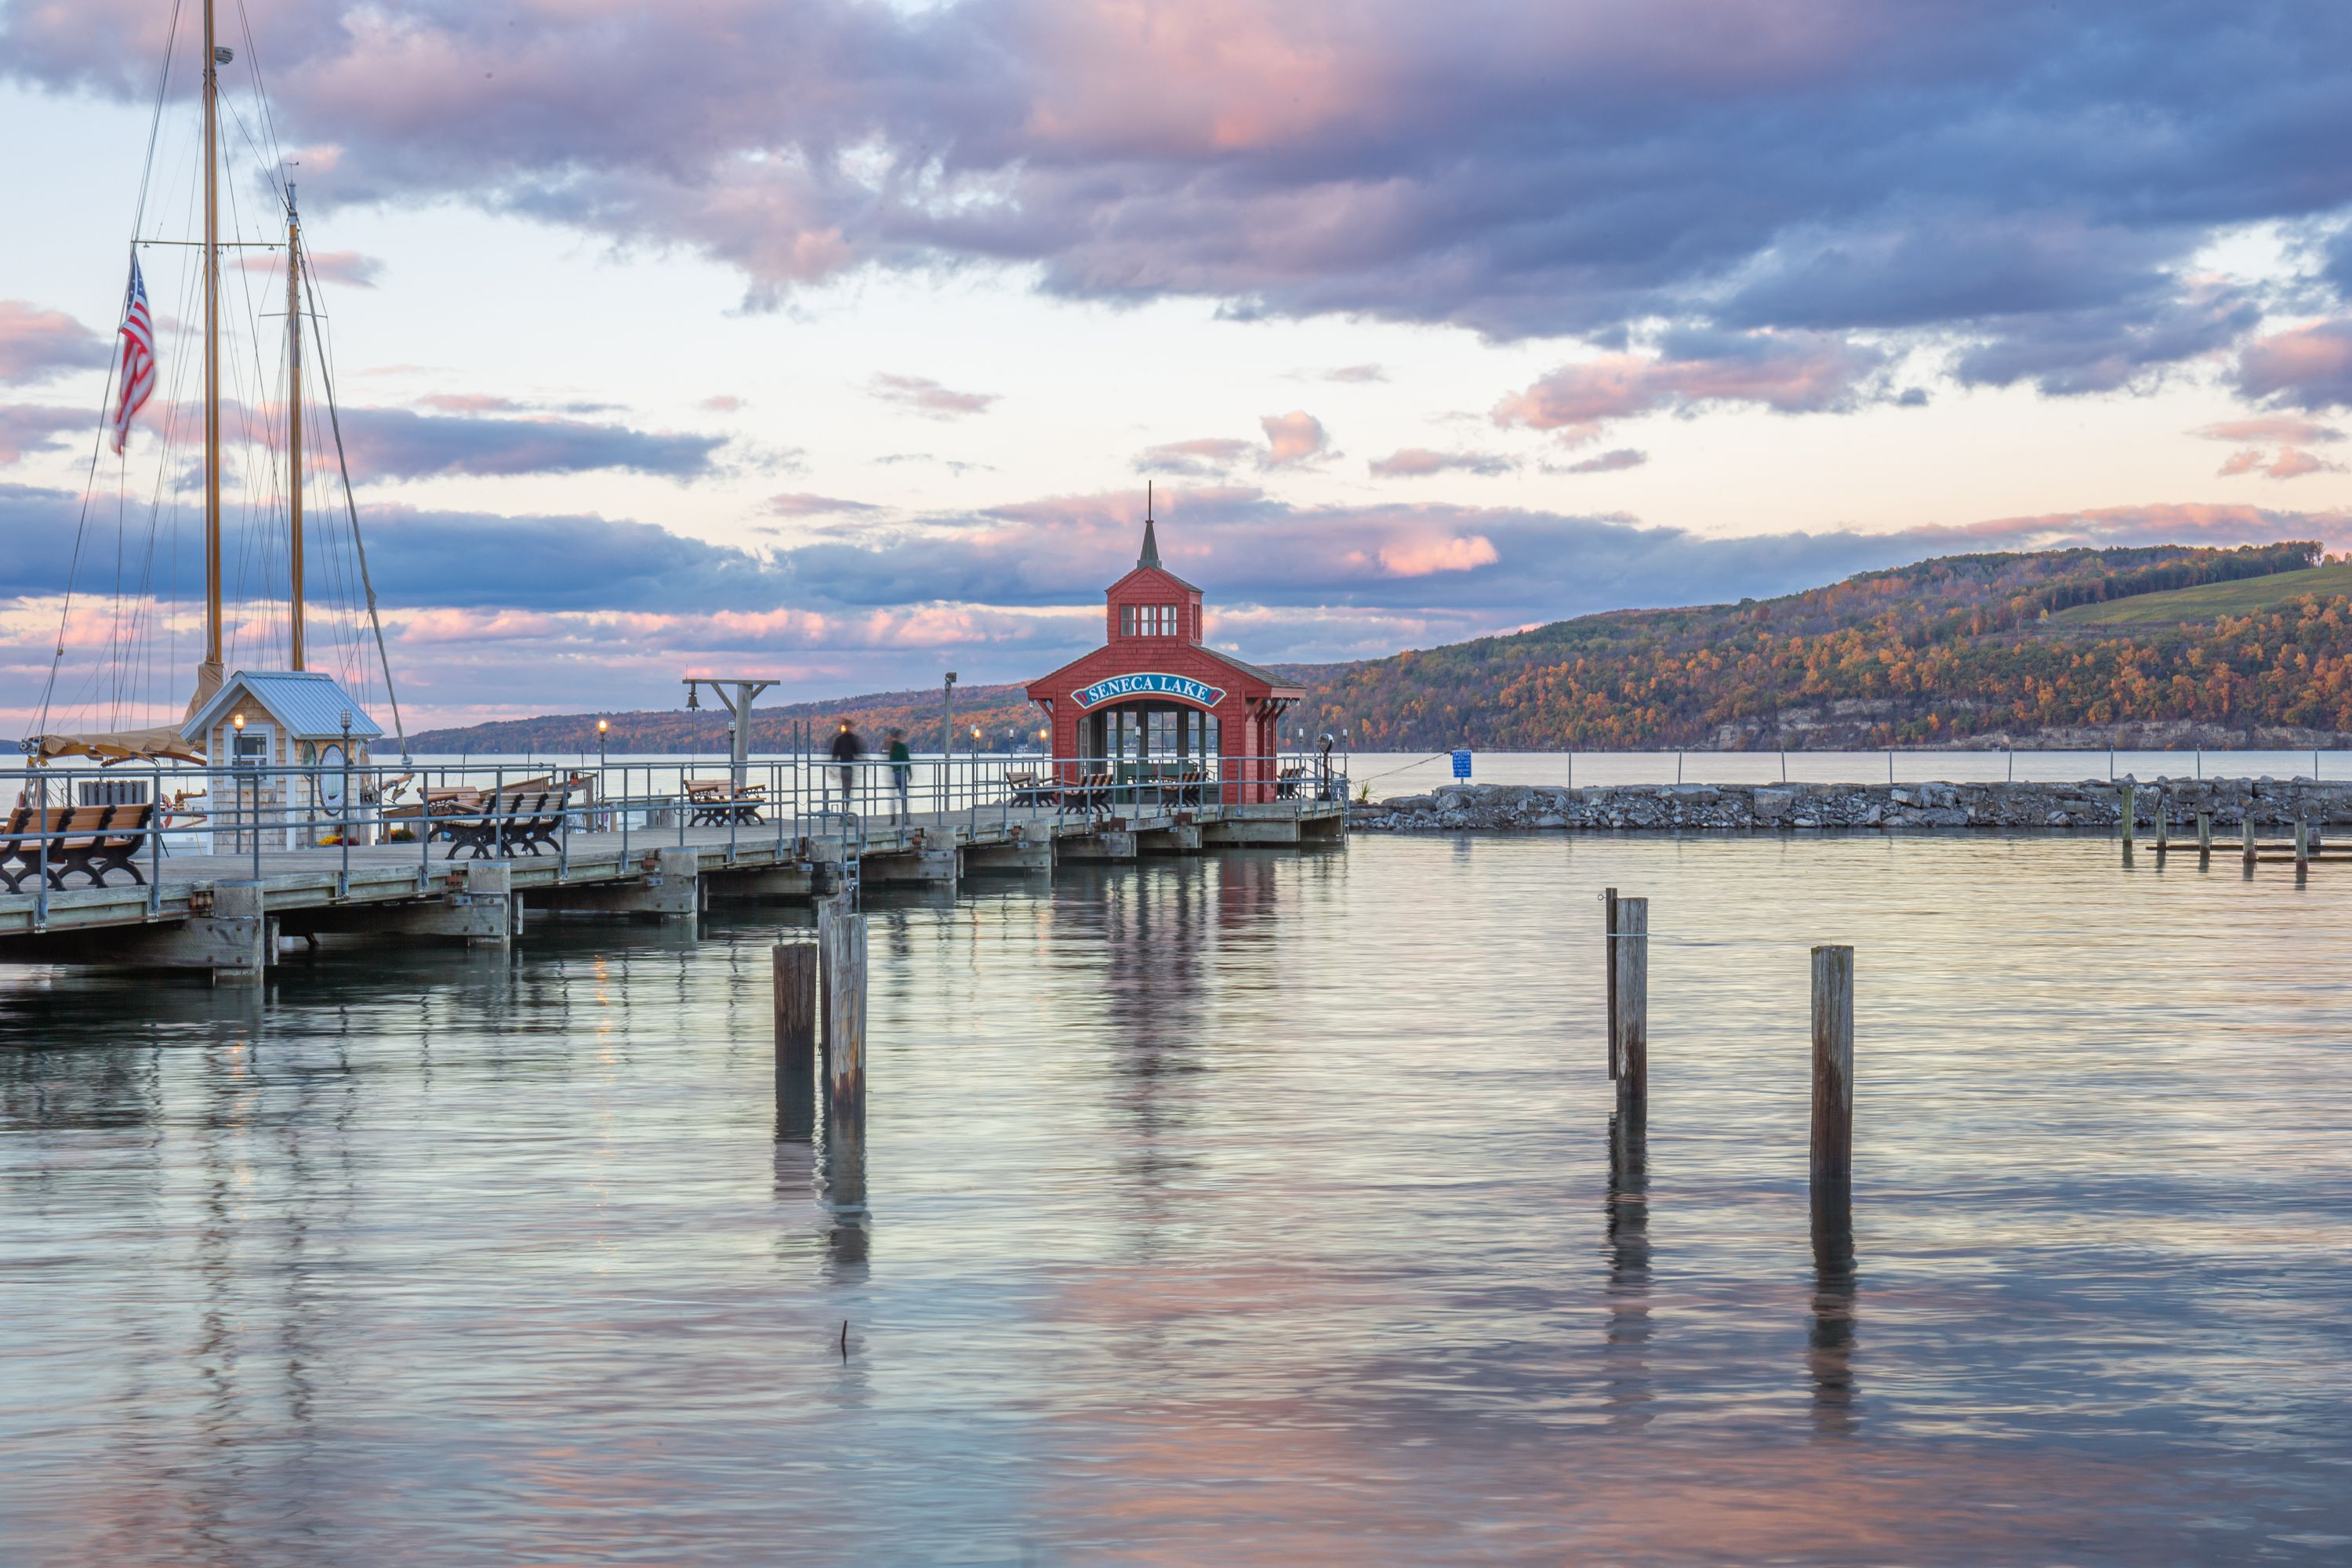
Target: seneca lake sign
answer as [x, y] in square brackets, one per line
[1180, 687]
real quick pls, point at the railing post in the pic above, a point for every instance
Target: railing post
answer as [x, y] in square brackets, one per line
[155, 846]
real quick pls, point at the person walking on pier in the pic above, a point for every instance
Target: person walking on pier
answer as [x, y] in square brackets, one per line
[902, 774]
[847, 749]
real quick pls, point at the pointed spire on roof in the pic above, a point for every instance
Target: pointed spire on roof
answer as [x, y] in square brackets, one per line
[1150, 556]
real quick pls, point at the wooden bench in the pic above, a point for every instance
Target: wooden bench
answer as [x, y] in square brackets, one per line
[1287, 783]
[716, 803]
[94, 840]
[521, 817]
[1092, 791]
[1028, 789]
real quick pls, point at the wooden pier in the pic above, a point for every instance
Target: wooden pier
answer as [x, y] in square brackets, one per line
[228, 912]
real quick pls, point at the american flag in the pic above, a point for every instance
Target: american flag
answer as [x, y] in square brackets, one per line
[136, 374]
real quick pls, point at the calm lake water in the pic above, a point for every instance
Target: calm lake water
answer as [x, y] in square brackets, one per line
[1253, 1209]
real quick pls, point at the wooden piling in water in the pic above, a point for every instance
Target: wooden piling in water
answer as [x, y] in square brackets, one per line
[1609, 969]
[2246, 835]
[2162, 842]
[1631, 1045]
[796, 1012]
[2130, 810]
[2301, 843]
[1832, 1147]
[841, 954]
[2204, 833]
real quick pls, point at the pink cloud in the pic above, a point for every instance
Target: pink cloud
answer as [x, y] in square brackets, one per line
[1420, 462]
[802, 503]
[1790, 372]
[1293, 437]
[27, 427]
[2291, 463]
[1624, 457]
[929, 398]
[36, 344]
[721, 402]
[2305, 367]
[2292, 429]
[1204, 457]
[1456, 555]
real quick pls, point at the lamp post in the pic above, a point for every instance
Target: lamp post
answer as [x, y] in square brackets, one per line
[237, 765]
[947, 744]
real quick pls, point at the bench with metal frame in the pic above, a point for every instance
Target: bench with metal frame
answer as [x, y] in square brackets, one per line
[519, 819]
[94, 840]
[716, 803]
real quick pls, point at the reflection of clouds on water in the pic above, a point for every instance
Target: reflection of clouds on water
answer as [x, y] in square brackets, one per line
[1247, 1208]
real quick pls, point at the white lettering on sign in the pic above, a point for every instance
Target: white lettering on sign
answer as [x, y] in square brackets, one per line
[1182, 687]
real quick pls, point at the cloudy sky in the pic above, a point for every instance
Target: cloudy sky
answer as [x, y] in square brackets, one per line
[836, 340]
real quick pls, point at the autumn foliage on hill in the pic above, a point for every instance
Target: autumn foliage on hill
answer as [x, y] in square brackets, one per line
[1933, 652]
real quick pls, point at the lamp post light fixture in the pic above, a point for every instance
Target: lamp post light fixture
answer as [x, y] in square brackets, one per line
[604, 732]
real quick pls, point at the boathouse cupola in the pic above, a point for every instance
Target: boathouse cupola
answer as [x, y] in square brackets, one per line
[1156, 706]
[1151, 601]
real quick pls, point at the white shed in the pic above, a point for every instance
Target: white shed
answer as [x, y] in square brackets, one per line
[262, 723]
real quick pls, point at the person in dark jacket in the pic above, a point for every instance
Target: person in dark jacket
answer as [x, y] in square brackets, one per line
[902, 774]
[847, 749]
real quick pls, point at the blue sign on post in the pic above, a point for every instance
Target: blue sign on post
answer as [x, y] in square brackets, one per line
[1462, 762]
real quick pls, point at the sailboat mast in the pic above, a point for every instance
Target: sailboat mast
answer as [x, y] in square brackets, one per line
[294, 467]
[212, 349]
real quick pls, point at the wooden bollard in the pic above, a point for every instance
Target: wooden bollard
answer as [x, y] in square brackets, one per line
[2162, 843]
[2204, 833]
[2246, 834]
[795, 980]
[2130, 810]
[841, 953]
[1609, 969]
[1631, 1046]
[2301, 843]
[1832, 1066]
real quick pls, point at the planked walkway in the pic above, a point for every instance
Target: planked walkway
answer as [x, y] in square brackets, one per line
[398, 889]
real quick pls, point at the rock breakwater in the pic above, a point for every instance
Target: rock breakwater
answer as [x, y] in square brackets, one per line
[2094, 803]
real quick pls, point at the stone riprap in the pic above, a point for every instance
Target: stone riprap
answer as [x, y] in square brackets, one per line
[2271, 803]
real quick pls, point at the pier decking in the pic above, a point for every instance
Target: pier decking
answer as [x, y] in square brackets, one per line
[225, 912]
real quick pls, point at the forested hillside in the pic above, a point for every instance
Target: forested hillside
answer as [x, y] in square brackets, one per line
[1966, 647]
[1941, 651]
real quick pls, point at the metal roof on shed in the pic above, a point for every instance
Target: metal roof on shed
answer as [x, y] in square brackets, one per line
[310, 704]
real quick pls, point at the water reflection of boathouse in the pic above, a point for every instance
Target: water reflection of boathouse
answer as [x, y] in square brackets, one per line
[1156, 705]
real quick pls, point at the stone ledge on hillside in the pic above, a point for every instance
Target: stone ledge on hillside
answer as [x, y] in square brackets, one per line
[2094, 803]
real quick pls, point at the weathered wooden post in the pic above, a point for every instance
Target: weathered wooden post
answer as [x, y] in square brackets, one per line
[2302, 841]
[841, 954]
[1832, 1067]
[2204, 834]
[841, 958]
[2163, 840]
[2130, 810]
[795, 981]
[1609, 969]
[2246, 833]
[1632, 1042]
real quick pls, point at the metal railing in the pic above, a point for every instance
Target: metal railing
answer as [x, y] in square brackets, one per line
[506, 809]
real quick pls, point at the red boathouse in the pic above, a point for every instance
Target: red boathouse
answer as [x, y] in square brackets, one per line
[1154, 705]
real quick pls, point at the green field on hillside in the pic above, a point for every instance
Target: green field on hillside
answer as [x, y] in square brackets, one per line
[2211, 601]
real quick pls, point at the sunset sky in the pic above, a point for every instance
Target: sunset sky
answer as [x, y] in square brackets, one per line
[836, 342]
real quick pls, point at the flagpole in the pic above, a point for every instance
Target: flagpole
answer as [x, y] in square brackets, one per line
[212, 355]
